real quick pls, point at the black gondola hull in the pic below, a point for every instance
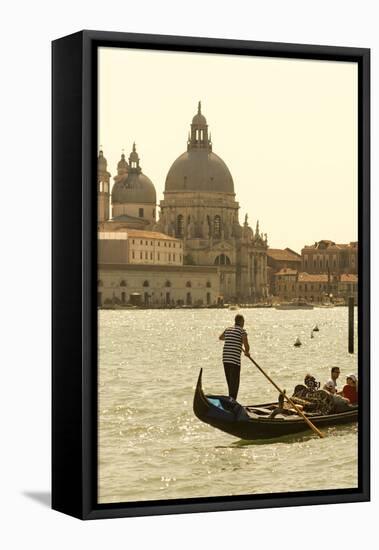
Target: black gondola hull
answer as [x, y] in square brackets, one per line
[239, 423]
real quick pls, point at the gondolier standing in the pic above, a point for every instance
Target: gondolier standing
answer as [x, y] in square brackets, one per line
[235, 339]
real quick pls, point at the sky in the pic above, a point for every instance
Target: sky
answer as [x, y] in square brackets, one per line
[286, 128]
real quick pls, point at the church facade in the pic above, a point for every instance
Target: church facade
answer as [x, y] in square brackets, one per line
[199, 207]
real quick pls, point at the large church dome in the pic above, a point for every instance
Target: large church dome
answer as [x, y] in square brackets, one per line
[135, 187]
[199, 169]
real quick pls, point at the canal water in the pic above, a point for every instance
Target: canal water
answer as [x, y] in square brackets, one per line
[151, 446]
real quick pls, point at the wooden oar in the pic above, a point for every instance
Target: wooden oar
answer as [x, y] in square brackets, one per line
[299, 411]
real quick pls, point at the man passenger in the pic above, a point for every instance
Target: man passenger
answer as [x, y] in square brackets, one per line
[331, 384]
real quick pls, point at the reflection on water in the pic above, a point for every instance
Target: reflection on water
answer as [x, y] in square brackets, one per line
[151, 446]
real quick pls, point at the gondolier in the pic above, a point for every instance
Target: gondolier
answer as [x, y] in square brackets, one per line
[235, 340]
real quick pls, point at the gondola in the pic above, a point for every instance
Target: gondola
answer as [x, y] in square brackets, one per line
[264, 421]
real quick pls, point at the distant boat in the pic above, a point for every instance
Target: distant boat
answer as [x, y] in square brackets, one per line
[295, 304]
[316, 329]
[297, 342]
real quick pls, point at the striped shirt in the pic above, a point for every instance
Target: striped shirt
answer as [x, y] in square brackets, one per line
[233, 345]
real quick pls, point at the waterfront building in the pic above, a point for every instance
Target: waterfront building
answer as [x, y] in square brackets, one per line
[325, 255]
[348, 286]
[314, 287]
[157, 285]
[112, 247]
[199, 207]
[284, 284]
[141, 247]
[278, 259]
[198, 211]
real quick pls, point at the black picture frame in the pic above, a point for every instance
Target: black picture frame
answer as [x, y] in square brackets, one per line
[74, 253]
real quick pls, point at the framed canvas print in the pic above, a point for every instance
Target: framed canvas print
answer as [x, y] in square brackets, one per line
[210, 274]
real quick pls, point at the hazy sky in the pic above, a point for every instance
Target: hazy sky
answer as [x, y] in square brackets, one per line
[287, 129]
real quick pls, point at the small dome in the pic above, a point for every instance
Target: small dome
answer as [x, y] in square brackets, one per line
[199, 120]
[199, 170]
[122, 165]
[136, 188]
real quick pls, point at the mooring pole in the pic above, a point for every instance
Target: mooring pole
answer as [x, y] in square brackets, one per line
[351, 324]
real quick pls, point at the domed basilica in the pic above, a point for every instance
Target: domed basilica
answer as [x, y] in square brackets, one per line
[198, 209]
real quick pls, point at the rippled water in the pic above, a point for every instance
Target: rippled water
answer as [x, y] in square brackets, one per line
[151, 446]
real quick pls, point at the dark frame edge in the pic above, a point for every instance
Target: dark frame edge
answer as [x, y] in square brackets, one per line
[188, 508]
[67, 421]
[364, 266]
[224, 45]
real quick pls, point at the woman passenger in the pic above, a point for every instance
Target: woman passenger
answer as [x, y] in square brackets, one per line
[350, 390]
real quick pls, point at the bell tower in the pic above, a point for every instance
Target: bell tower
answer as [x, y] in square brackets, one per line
[103, 191]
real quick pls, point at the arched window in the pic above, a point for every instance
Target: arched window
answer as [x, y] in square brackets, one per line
[208, 285]
[188, 284]
[217, 226]
[99, 282]
[168, 283]
[222, 259]
[146, 284]
[123, 283]
[179, 226]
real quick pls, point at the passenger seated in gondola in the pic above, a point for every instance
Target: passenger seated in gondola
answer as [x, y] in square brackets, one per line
[340, 403]
[311, 382]
[350, 390]
[310, 385]
[331, 384]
